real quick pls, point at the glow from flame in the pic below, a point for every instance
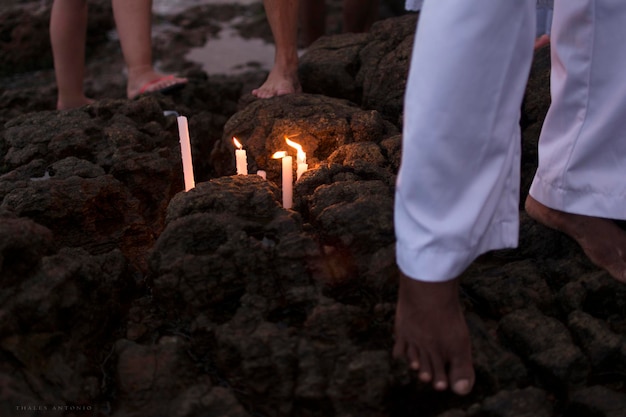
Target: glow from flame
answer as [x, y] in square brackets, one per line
[298, 147]
[279, 155]
[237, 143]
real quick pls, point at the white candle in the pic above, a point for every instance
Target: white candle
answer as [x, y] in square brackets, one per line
[287, 166]
[287, 182]
[240, 158]
[301, 166]
[185, 151]
[262, 174]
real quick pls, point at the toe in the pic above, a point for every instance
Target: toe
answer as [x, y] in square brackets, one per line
[414, 358]
[462, 375]
[440, 378]
[425, 370]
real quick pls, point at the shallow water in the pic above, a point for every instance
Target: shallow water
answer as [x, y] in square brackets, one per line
[166, 7]
[228, 53]
[231, 54]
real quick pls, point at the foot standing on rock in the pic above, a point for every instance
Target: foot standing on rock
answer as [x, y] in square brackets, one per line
[68, 32]
[282, 15]
[458, 187]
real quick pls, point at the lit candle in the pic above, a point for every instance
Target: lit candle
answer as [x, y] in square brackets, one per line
[185, 151]
[287, 178]
[301, 166]
[241, 158]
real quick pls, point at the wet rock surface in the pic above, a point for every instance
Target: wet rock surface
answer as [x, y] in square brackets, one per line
[122, 295]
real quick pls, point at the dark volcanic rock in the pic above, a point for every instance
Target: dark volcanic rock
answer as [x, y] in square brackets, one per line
[547, 345]
[62, 307]
[125, 296]
[26, 46]
[529, 402]
[597, 401]
[225, 238]
[367, 69]
[319, 124]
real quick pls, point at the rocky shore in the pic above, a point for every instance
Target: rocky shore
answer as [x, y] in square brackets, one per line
[123, 295]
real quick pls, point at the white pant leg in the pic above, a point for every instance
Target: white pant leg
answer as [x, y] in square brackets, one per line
[582, 149]
[457, 192]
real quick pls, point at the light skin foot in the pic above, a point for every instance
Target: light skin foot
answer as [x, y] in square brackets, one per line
[278, 84]
[149, 80]
[603, 241]
[432, 335]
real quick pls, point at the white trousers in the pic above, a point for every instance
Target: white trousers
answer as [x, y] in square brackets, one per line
[457, 192]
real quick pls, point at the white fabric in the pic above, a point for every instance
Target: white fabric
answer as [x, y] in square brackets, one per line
[458, 186]
[414, 5]
[544, 14]
[582, 151]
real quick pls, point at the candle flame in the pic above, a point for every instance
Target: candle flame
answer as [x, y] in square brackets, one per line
[237, 143]
[279, 155]
[298, 147]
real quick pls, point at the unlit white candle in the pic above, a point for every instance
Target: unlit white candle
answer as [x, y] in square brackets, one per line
[185, 151]
[287, 182]
[262, 174]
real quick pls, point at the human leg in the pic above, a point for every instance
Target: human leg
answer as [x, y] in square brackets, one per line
[359, 15]
[133, 20]
[579, 183]
[68, 33]
[282, 16]
[312, 20]
[458, 187]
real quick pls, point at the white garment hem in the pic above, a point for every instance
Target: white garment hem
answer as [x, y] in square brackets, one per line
[586, 202]
[432, 264]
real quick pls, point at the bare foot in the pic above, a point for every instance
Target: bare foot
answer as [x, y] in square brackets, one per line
[431, 333]
[150, 81]
[278, 84]
[68, 103]
[601, 239]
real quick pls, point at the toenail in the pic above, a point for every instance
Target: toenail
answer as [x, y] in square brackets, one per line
[441, 385]
[461, 386]
[415, 365]
[424, 376]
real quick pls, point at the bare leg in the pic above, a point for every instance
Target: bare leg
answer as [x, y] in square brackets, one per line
[283, 78]
[432, 335]
[133, 20]
[601, 239]
[312, 20]
[359, 15]
[68, 33]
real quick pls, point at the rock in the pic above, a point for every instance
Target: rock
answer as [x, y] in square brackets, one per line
[547, 345]
[529, 402]
[25, 47]
[385, 66]
[597, 401]
[23, 244]
[604, 348]
[330, 66]
[514, 286]
[319, 124]
[48, 315]
[225, 237]
[162, 380]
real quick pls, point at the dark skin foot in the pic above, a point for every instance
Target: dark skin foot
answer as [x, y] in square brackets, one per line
[603, 241]
[432, 335]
